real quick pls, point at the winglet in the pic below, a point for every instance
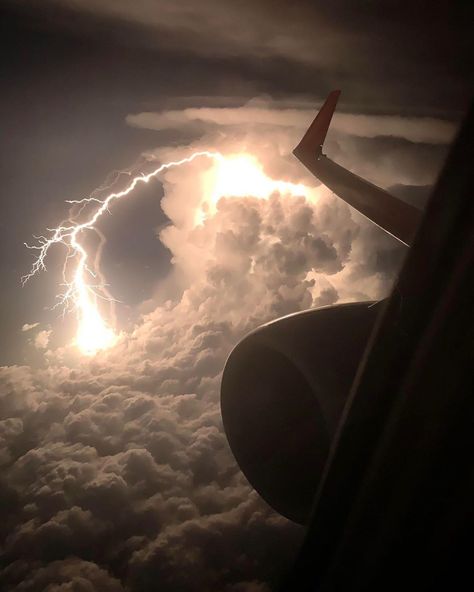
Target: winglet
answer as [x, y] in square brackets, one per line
[311, 144]
[395, 216]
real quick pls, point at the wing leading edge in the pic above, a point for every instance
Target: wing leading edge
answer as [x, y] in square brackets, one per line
[387, 211]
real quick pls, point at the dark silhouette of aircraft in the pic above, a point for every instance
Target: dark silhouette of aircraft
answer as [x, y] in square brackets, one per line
[357, 420]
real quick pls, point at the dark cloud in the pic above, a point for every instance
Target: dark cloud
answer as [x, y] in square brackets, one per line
[417, 195]
[390, 161]
[387, 56]
[69, 575]
[116, 473]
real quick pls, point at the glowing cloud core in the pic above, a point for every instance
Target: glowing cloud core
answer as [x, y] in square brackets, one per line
[233, 176]
[243, 175]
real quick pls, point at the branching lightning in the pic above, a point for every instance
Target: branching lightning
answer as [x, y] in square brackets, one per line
[80, 293]
[239, 175]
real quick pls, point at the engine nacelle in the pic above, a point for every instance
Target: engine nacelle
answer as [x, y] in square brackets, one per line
[283, 391]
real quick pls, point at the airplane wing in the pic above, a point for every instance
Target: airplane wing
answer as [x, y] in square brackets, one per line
[356, 420]
[394, 507]
[393, 215]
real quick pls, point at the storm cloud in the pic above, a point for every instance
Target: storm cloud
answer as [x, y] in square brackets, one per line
[385, 56]
[116, 473]
[116, 470]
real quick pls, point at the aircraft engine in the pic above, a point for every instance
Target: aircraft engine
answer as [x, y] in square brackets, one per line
[283, 391]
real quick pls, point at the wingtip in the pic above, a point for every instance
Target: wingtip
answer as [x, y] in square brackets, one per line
[312, 142]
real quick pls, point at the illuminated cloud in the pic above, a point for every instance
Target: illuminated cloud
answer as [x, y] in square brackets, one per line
[123, 458]
[116, 471]
[387, 150]
[29, 326]
[42, 339]
[260, 113]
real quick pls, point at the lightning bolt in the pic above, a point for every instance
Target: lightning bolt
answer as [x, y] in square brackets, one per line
[80, 293]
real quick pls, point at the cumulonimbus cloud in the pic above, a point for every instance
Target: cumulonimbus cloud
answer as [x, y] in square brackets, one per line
[116, 471]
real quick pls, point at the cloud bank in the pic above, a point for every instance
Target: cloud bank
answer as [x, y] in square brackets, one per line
[116, 473]
[259, 113]
[409, 58]
[223, 28]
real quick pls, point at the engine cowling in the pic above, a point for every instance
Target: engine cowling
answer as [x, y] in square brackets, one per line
[283, 391]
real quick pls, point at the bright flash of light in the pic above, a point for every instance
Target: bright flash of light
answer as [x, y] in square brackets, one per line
[237, 176]
[243, 175]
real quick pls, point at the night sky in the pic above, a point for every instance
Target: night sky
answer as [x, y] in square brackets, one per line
[116, 474]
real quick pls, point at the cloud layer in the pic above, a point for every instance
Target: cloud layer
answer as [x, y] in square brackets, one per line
[222, 28]
[116, 471]
[261, 113]
[387, 57]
